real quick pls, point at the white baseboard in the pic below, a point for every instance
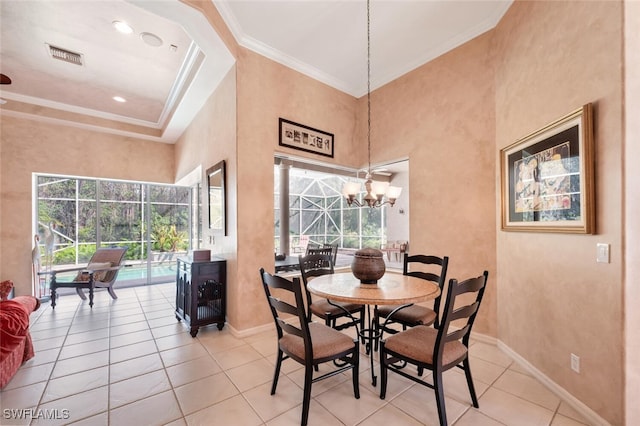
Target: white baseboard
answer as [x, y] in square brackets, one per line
[591, 416]
[483, 338]
[248, 332]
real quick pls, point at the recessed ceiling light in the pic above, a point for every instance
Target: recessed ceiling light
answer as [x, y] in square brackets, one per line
[123, 27]
[119, 99]
[151, 39]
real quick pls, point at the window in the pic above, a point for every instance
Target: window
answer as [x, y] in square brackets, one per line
[318, 211]
[74, 216]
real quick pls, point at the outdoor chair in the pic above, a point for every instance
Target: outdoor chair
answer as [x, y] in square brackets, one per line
[309, 344]
[100, 272]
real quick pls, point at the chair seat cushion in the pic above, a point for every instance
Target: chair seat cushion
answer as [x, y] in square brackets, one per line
[98, 275]
[321, 307]
[412, 315]
[327, 342]
[418, 343]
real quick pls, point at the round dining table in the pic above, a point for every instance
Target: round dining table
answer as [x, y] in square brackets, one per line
[391, 289]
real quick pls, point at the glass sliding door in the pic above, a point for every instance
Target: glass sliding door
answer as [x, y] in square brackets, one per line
[86, 220]
[169, 223]
[56, 221]
[75, 216]
[120, 212]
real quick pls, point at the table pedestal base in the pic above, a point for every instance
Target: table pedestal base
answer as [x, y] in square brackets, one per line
[370, 337]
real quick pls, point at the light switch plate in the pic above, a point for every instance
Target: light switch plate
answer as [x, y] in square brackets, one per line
[603, 255]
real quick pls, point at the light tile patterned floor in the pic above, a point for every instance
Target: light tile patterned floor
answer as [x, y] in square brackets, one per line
[130, 362]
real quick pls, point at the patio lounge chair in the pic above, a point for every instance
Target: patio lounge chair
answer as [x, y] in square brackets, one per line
[101, 272]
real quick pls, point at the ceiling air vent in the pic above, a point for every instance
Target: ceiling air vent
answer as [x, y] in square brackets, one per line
[65, 55]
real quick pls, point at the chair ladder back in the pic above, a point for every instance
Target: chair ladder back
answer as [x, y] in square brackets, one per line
[289, 328]
[456, 334]
[469, 311]
[441, 283]
[429, 276]
[440, 278]
[480, 285]
[282, 306]
[279, 306]
[314, 265]
[334, 251]
[422, 258]
[464, 311]
[320, 251]
[426, 260]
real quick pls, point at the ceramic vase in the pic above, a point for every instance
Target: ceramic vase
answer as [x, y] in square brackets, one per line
[368, 265]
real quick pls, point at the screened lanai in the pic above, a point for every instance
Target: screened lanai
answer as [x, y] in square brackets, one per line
[75, 215]
[312, 210]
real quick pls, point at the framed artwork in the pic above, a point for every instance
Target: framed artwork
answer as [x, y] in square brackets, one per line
[547, 178]
[305, 138]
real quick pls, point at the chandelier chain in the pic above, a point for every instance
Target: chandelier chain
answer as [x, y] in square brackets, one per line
[374, 196]
[369, 85]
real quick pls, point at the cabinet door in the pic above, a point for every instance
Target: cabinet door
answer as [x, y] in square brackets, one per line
[183, 293]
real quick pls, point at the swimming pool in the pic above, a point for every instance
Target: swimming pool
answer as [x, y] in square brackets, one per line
[139, 272]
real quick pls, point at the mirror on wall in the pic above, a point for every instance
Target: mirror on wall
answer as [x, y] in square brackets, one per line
[217, 209]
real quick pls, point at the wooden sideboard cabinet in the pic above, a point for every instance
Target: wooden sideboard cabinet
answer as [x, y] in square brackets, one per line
[201, 292]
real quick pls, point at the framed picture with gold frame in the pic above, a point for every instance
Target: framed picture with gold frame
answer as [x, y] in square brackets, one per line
[547, 178]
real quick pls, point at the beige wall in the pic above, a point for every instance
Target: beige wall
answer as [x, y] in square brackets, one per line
[267, 91]
[440, 116]
[29, 147]
[554, 299]
[210, 138]
[547, 297]
[632, 211]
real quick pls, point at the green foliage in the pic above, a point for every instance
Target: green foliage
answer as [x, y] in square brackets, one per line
[167, 238]
[73, 205]
[67, 256]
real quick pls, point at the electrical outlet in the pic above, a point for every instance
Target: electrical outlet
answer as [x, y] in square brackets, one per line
[575, 363]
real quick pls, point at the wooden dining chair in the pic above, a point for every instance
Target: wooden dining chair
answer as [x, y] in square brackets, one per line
[334, 252]
[308, 343]
[414, 315]
[438, 349]
[318, 263]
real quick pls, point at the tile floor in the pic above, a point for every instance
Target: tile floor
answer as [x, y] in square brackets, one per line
[129, 362]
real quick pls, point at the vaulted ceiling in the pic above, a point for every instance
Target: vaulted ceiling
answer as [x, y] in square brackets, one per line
[67, 61]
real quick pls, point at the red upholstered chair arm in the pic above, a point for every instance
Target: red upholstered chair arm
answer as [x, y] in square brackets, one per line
[14, 317]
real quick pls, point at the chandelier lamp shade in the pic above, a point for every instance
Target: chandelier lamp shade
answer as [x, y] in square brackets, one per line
[376, 191]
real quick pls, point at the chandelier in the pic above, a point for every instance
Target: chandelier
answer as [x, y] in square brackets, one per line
[376, 191]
